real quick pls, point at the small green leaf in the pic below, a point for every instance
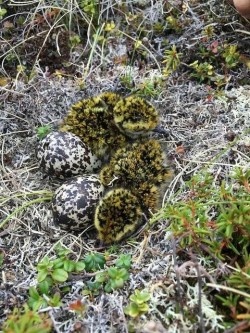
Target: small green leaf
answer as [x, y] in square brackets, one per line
[80, 266]
[94, 262]
[43, 131]
[143, 307]
[124, 261]
[117, 277]
[116, 273]
[45, 285]
[101, 277]
[69, 265]
[55, 300]
[113, 272]
[59, 275]
[132, 310]
[42, 274]
[37, 304]
[229, 230]
[44, 262]
[3, 11]
[108, 288]
[34, 293]
[94, 287]
[61, 250]
[117, 283]
[58, 263]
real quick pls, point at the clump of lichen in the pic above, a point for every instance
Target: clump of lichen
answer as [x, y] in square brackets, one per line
[117, 215]
[92, 120]
[135, 116]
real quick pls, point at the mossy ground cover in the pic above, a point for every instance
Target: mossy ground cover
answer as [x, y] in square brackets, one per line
[187, 270]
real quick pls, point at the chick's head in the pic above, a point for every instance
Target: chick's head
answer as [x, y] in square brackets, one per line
[109, 99]
[135, 116]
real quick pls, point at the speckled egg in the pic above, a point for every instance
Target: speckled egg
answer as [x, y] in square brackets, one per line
[74, 203]
[63, 154]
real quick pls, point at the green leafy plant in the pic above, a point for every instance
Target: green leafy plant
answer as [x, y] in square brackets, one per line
[38, 299]
[231, 55]
[53, 269]
[93, 288]
[90, 7]
[149, 88]
[208, 31]
[58, 269]
[214, 221]
[52, 272]
[191, 221]
[3, 11]
[214, 60]
[202, 71]
[138, 305]
[74, 40]
[124, 261]
[111, 278]
[42, 131]
[27, 321]
[171, 60]
[94, 262]
[127, 81]
[240, 278]
[173, 23]
[236, 296]
[230, 302]
[114, 248]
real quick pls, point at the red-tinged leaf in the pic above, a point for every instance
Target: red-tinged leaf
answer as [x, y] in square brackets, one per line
[77, 306]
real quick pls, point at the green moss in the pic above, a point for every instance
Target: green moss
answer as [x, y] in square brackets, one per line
[92, 120]
[135, 116]
[117, 215]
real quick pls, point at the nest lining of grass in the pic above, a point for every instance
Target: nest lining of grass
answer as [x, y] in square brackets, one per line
[193, 122]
